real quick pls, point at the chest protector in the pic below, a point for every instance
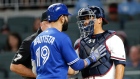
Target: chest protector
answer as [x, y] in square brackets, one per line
[98, 44]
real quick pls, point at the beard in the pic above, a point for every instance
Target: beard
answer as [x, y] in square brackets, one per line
[65, 26]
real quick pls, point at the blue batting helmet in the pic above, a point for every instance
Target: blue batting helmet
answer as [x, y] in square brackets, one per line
[56, 10]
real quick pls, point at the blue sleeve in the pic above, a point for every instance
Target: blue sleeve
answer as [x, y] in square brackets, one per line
[32, 52]
[70, 55]
[78, 65]
[116, 62]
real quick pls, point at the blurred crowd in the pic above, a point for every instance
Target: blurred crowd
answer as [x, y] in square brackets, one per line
[31, 4]
[14, 39]
[120, 13]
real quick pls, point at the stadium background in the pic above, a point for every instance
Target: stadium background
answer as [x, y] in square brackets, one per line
[19, 16]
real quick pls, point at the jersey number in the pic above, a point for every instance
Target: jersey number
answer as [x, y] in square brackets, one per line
[19, 56]
[42, 53]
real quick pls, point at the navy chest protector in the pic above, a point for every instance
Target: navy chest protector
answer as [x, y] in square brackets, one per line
[88, 44]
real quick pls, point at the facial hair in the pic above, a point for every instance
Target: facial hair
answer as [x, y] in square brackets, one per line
[65, 26]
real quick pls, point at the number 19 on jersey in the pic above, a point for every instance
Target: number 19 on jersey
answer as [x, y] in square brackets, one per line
[42, 55]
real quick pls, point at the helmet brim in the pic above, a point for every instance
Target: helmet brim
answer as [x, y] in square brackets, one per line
[69, 14]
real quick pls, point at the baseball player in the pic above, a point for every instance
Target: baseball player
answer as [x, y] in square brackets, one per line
[93, 38]
[52, 52]
[21, 63]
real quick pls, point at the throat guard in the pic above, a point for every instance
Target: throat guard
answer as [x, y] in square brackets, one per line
[97, 44]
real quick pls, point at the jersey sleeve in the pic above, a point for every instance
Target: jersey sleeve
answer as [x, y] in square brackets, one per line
[68, 51]
[23, 53]
[116, 48]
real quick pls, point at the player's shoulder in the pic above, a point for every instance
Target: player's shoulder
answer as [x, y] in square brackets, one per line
[58, 34]
[54, 32]
[61, 36]
[114, 38]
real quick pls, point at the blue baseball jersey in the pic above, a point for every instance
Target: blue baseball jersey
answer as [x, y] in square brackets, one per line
[52, 52]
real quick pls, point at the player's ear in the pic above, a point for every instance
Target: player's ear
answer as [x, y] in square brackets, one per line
[62, 19]
[99, 20]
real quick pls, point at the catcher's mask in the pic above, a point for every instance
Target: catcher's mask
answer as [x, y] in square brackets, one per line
[90, 14]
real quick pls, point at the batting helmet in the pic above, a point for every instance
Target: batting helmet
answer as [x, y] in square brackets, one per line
[56, 10]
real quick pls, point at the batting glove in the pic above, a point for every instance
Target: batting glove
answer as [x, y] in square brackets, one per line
[94, 56]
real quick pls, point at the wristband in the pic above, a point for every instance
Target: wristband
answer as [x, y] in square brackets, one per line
[88, 61]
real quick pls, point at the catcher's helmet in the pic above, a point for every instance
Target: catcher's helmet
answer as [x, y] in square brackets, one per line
[90, 11]
[99, 13]
[56, 10]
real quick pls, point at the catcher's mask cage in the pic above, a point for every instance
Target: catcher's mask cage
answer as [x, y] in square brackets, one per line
[84, 13]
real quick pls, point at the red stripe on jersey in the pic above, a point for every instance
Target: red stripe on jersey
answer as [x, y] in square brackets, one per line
[118, 58]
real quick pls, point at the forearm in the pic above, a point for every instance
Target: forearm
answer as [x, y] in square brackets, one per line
[22, 70]
[71, 71]
[119, 71]
[80, 64]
